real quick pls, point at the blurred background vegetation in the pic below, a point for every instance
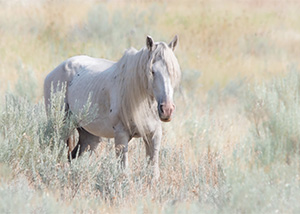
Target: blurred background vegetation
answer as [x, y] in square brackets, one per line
[233, 146]
[218, 42]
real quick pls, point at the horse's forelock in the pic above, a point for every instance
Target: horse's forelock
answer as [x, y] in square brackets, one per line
[166, 54]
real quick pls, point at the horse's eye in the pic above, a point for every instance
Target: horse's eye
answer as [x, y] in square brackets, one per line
[152, 72]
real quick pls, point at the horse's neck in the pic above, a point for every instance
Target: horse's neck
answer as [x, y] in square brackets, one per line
[136, 83]
[140, 83]
[136, 105]
[133, 69]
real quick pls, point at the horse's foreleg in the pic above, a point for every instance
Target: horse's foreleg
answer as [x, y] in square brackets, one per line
[121, 144]
[152, 143]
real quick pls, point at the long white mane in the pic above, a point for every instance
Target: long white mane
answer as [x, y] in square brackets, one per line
[137, 104]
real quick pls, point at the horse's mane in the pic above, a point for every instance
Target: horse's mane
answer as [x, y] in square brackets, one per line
[134, 68]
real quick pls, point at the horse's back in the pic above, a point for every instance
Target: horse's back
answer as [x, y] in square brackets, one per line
[65, 72]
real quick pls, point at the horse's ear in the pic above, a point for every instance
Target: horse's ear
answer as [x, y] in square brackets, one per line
[150, 43]
[173, 43]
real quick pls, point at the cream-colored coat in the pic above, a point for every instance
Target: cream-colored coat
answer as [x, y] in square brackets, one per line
[132, 96]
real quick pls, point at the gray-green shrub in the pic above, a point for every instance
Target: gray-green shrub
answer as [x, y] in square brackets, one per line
[274, 110]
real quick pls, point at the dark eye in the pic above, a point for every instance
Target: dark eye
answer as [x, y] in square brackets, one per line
[153, 72]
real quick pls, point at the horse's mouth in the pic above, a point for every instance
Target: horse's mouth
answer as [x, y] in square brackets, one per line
[166, 119]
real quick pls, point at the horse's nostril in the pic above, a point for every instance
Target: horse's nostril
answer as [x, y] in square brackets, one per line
[161, 108]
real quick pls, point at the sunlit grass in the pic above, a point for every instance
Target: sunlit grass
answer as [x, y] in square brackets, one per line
[233, 146]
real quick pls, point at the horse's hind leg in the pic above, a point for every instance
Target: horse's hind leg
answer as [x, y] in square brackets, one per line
[71, 142]
[86, 141]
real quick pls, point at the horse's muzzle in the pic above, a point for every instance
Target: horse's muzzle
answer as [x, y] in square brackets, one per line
[165, 111]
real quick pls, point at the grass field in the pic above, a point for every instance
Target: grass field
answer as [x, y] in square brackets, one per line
[233, 146]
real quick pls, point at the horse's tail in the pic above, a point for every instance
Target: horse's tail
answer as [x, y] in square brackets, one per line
[58, 80]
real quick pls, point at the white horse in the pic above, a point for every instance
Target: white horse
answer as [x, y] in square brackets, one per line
[132, 96]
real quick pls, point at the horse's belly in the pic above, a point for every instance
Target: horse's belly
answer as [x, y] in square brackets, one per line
[100, 128]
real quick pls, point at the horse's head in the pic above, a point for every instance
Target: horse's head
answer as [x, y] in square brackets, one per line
[163, 75]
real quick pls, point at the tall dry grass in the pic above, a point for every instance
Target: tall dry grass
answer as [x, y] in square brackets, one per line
[233, 146]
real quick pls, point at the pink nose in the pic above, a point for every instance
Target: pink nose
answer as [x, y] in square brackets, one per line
[166, 111]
